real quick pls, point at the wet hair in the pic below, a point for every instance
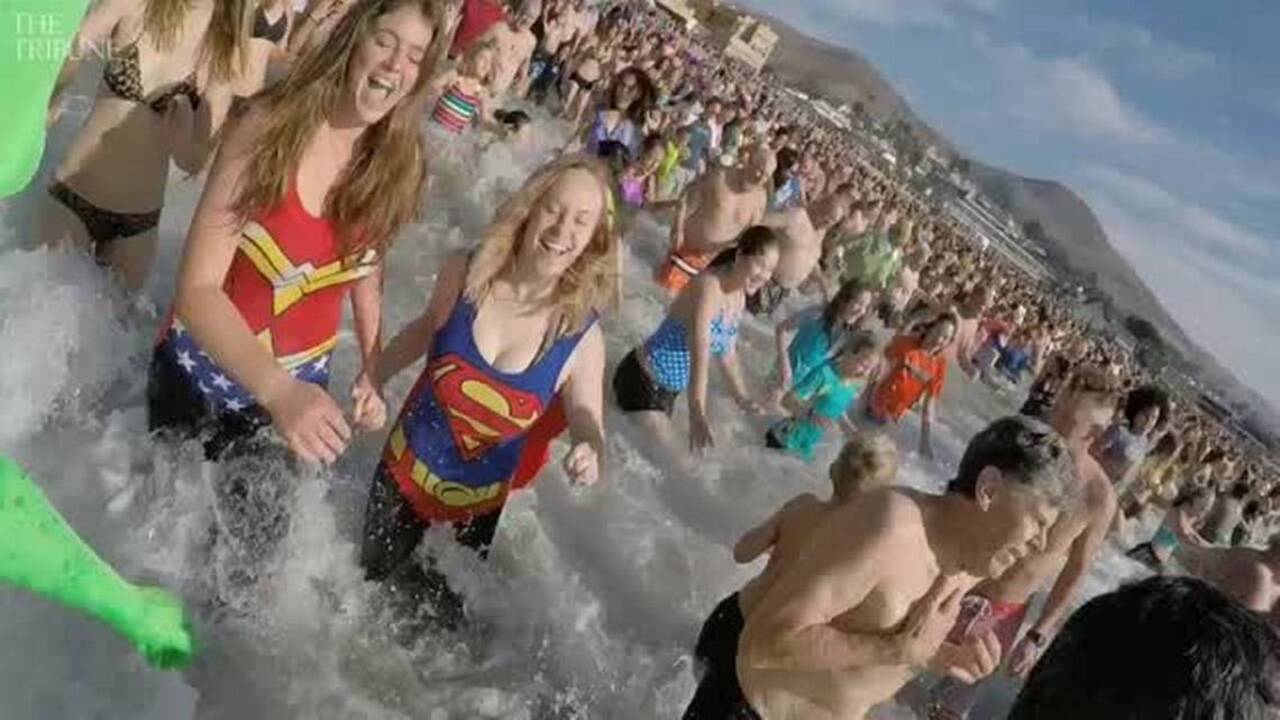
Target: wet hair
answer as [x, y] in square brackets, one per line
[1024, 450]
[1172, 648]
[843, 298]
[755, 240]
[868, 461]
[1147, 397]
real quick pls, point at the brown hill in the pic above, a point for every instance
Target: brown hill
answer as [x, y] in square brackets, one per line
[1072, 232]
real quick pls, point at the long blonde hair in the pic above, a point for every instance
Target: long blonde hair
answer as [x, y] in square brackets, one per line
[381, 187]
[225, 44]
[587, 288]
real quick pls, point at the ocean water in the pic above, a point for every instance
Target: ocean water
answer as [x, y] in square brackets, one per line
[588, 607]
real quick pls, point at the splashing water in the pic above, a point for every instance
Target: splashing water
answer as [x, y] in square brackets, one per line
[587, 608]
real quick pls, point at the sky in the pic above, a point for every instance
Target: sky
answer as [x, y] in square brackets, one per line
[1162, 115]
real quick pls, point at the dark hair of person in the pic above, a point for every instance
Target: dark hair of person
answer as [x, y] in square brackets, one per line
[1239, 490]
[1025, 451]
[787, 160]
[646, 95]
[1147, 396]
[1172, 648]
[844, 296]
[755, 240]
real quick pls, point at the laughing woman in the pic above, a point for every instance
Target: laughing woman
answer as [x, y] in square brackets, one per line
[307, 193]
[165, 89]
[507, 329]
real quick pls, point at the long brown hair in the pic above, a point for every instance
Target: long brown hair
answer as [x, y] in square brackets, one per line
[162, 19]
[225, 44]
[587, 288]
[380, 189]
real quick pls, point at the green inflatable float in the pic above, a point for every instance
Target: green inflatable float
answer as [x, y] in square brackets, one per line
[41, 553]
[35, 37]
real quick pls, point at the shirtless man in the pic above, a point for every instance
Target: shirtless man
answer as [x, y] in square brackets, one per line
[712, 213]
[803, 229]
[1081, 414]
[869, 602]
[867, 462]
[515, 44]
[968, 335]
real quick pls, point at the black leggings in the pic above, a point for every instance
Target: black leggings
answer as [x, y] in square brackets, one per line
[393, 530]
[252, 491]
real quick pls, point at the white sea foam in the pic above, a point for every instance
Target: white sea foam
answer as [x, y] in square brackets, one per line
[588, 607]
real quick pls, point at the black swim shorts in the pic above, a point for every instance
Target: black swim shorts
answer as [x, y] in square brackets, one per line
[637, 392]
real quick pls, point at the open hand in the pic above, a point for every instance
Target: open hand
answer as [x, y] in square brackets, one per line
[699, 433]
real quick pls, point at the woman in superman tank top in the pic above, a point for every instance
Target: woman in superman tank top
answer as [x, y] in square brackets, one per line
[507, 329]
[306, 194]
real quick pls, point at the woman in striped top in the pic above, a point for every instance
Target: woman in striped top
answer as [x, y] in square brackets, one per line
[462, 92]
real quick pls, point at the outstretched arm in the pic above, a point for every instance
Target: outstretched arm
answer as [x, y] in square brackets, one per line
[413, 342]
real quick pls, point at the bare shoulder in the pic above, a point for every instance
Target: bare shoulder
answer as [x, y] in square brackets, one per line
[893, 513]
[802, 508]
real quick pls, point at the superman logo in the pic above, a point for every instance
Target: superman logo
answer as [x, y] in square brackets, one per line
[482, 411]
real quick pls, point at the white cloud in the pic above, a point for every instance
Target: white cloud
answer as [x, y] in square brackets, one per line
[1154, 55]
[1214, 277]
[1211, 231]
[1068, 95]
[1073, 97]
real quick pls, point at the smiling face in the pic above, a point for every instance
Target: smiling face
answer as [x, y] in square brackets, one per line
[857, 308]
[562, 224]
[386, 62]
[753, 271]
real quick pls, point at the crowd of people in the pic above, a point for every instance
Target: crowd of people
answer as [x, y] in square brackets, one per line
[314, 127]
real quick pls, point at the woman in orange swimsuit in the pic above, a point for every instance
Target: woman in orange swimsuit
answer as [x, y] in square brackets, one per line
[916, 369]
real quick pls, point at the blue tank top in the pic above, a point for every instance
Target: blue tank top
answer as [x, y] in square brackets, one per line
[668, 350]
[459, 437]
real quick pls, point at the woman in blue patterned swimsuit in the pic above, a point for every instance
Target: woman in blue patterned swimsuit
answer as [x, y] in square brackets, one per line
[702, 322]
